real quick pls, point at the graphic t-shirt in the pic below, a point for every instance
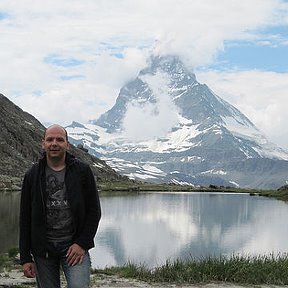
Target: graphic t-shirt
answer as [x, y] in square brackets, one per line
[59, 216]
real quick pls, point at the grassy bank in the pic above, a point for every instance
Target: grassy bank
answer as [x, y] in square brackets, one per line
[280, 195]
[243, 270]
[150, 187]
[124, 188]
[270, 270]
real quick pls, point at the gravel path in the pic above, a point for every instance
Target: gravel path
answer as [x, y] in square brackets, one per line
[15, 278]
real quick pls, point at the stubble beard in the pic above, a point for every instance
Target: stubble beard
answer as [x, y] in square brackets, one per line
[56, 156]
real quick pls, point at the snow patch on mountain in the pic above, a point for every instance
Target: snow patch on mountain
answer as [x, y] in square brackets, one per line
[215, 172]
[244, 130]
[143, 172]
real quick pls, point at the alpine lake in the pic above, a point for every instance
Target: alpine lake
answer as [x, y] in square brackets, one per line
[151, 228]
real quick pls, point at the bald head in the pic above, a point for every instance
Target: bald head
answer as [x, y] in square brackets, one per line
[55, 144]
[58, 127]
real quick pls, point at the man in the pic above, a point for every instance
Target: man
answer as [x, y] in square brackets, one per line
[59, 215]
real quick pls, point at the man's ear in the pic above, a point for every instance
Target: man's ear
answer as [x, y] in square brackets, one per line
[42, 144]
[68, 145]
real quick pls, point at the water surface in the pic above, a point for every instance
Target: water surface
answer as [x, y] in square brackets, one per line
[150, 228]
[153, 227]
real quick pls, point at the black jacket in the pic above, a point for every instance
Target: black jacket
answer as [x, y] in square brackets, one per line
[83, 198]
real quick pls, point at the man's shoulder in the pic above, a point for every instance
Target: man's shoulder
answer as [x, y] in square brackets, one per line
[76, 162]
[33, 168]
[33, 172]
[37, 165]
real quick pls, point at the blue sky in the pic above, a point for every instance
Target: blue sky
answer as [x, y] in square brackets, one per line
[62, 61]
[78, 54]
[247, 56]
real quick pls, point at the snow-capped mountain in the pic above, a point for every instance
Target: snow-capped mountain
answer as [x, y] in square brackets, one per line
[167, 127]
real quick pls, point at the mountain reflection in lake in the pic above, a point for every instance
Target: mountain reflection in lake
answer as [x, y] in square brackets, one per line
[151, 228]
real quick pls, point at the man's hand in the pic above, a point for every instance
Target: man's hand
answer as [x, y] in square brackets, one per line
[75, 255]
[29, 270]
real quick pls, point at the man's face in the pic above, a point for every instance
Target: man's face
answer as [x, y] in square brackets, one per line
[55, 143]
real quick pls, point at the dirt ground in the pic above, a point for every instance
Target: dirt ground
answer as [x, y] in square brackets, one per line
[15, 278]
[114, 282]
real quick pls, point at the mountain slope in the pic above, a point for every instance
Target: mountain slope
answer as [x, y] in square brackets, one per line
[167, 127]
[20, 138]
[20, 146]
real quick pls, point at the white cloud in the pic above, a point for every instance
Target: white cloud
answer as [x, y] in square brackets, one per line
[111, 39]
[144, 120]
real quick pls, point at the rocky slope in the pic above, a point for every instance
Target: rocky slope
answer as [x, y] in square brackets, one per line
[20, 146]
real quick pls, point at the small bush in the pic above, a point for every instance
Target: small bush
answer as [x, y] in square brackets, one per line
[13, 252]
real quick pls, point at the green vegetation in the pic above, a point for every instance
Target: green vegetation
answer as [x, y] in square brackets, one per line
[150, 187]
[130, 188]
[270, 270]
[7, 259]
[245, 270]
[280, 195]
[3, 261]
[12, 253]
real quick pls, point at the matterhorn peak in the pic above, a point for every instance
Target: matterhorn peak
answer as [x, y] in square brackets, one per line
[170, 64]
[167, 127]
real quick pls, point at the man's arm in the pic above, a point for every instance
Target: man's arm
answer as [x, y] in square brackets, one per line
[92, 208]
[25, 223]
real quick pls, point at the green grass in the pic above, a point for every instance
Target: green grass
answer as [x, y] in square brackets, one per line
[150, 187]
[269, 270]
[7, 259]
[280, 195]
[4, 261]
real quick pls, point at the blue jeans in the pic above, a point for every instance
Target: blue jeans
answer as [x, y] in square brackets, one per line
[48, 271]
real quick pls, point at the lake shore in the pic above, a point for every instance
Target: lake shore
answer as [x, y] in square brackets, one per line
[14, 278]
[127, 188]
[11, 275]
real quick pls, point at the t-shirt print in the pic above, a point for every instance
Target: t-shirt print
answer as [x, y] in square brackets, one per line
[59, 219]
